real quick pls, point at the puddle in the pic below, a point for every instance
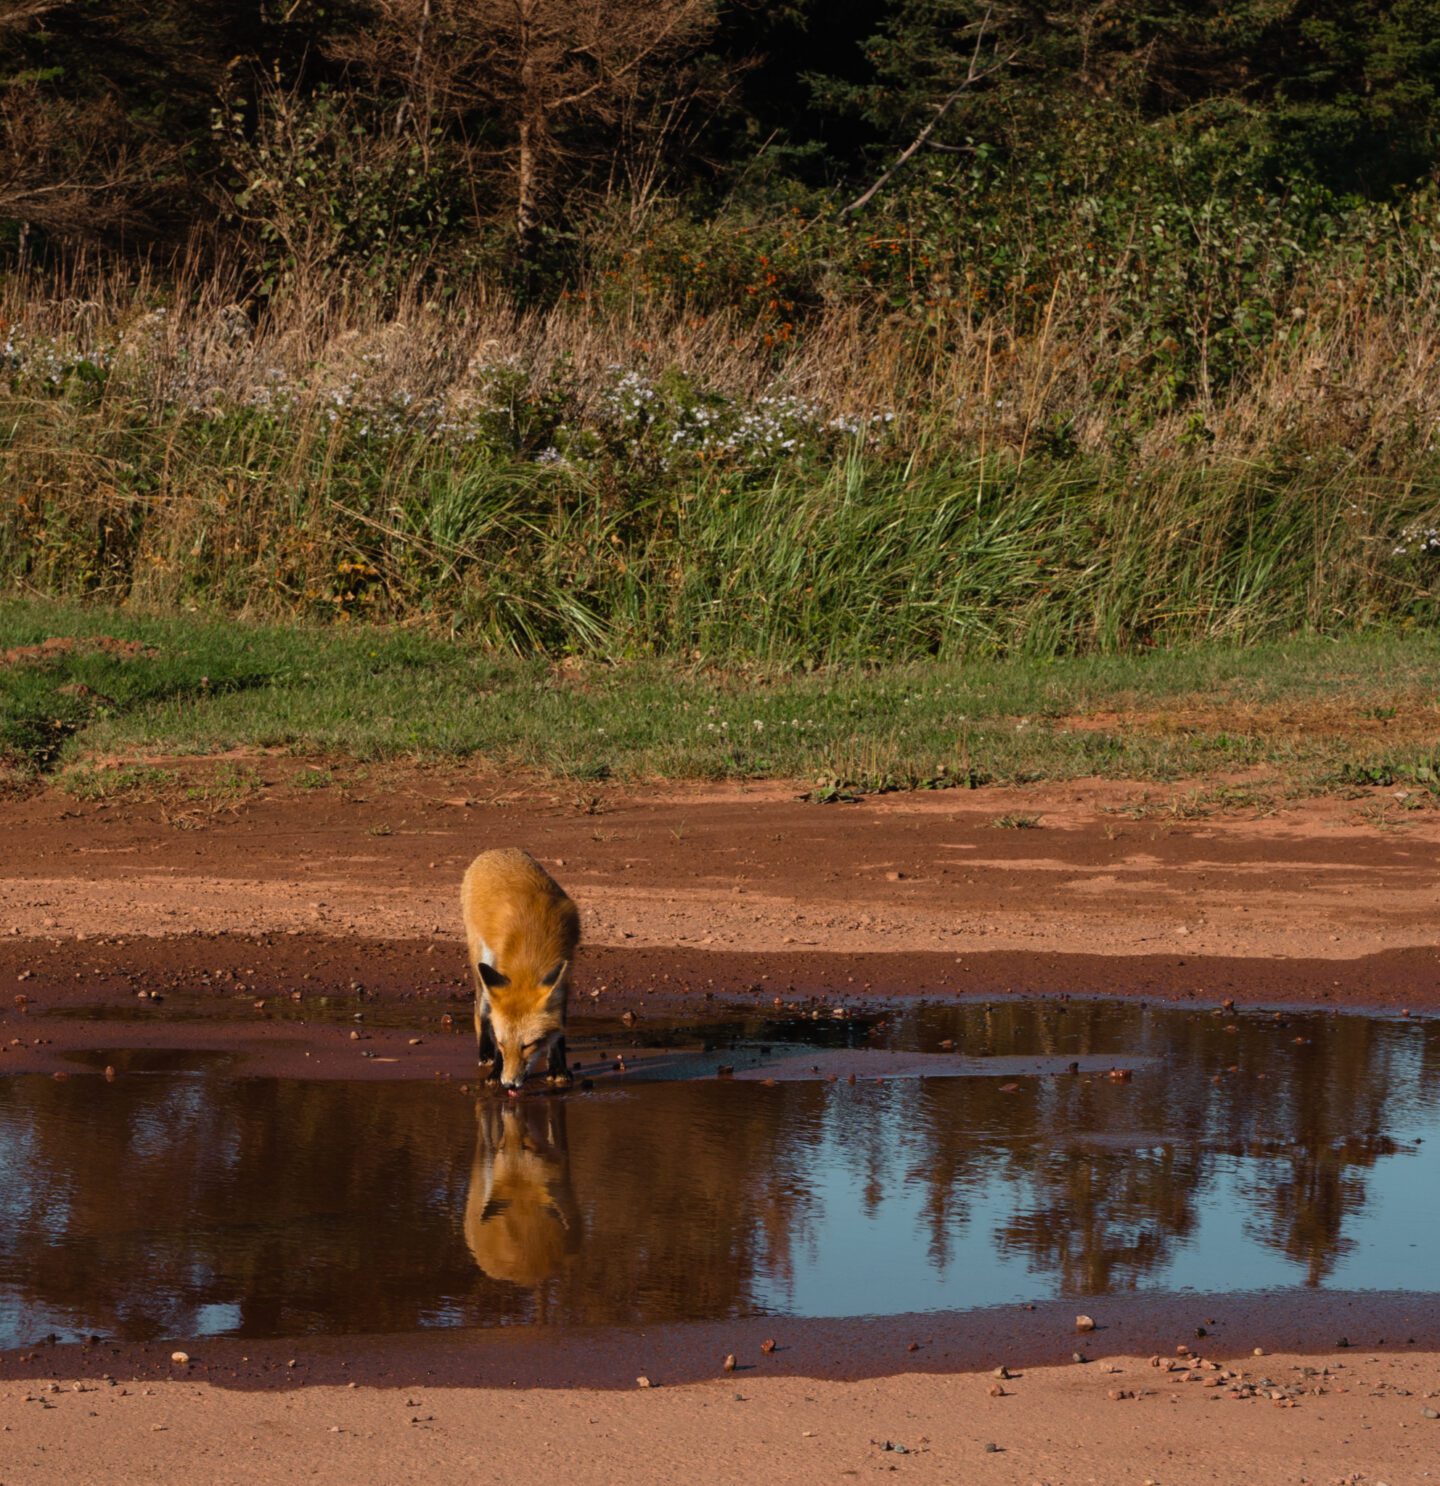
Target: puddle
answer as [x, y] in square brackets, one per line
[168, 1060]
[1240, 1154]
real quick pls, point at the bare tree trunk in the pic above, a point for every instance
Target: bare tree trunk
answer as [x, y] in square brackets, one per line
[531, 124]
[416, 73]
[526, 214]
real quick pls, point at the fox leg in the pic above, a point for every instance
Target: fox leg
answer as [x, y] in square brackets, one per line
[486, 1053]
[557, 1071]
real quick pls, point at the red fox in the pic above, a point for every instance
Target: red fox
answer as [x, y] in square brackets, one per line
[521, 931]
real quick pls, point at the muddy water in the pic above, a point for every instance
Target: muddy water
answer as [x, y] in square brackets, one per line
[1240, 1153]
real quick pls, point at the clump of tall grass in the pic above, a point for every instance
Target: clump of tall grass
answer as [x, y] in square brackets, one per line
[615, 477]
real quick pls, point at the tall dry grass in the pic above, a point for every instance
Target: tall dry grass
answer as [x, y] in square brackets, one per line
[613, 475]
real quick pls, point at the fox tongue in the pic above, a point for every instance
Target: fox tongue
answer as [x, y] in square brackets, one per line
[513, 1093]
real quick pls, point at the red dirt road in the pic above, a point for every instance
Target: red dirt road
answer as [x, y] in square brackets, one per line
[1354, 1419]
[903, 893]
[693, 898]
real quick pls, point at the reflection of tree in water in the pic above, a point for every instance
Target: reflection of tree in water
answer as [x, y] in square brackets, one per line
[1100, 1221]
[152, 1198]
[1324, 1131]
[689, 1192]
[1098, 1216]
[1112, 1172]
[304, 1206]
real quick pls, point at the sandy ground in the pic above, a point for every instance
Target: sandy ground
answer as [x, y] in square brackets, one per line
[1276, 1419]
[693, 897]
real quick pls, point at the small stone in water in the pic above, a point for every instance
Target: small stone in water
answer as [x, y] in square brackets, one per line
[1084, 1323]
[180, 1358]
[643, 1382]
[729, 1363]
[768, 1345]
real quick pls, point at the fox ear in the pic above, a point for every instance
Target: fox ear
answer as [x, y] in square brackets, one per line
[490, 977]
[553, 977]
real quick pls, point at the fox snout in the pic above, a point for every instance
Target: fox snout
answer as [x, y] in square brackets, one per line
[512, 1078]
[519, 1055]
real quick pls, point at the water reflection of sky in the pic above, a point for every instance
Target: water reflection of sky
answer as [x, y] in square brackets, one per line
[883, 1262]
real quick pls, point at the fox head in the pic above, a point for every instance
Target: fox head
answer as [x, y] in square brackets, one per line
[526, 1014]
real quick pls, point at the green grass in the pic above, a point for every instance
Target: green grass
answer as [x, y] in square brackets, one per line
[203, 686]
[844, 556]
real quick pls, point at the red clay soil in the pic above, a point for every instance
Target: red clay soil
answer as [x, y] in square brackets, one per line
[693, 900]
[728, 891]
[48, 651]
[1348, 1419]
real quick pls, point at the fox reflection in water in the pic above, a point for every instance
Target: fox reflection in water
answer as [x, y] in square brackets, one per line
[522, 1222]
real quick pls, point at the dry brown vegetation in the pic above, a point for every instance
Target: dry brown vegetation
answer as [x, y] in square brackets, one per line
[570, 476]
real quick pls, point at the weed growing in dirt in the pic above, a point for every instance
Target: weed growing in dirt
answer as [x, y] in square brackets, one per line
[1201, 804]
[86, 782]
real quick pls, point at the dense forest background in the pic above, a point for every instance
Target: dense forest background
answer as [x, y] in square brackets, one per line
[804, 329]
[443, 135]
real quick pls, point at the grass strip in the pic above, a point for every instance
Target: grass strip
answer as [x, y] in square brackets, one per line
[81, 683]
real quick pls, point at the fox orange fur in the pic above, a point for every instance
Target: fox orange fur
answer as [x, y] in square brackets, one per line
[521, 931]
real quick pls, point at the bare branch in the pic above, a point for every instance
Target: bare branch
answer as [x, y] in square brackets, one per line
[17, 14]
[974, 74]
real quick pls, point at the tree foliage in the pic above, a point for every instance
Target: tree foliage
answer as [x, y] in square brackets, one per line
[405, 135]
